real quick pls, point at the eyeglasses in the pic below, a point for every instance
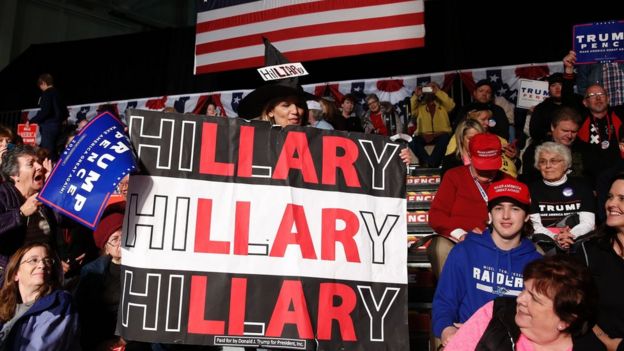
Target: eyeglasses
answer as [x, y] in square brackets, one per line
[372, 102]
[34, 261]
[594, 95]
[114, 241]
[553, 162]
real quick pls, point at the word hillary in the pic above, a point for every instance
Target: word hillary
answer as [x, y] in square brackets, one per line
[191, 307]
[337, 158]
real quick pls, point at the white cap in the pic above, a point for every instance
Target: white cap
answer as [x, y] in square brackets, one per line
[314, 105]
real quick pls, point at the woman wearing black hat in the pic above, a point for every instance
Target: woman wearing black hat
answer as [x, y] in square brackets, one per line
[281, 105]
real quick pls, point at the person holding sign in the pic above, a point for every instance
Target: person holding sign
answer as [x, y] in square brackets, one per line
[600, 131]
[561, 93]
[23, 218]
[285, 106]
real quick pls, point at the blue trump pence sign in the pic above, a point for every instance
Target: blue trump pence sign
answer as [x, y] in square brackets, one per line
[89, 170]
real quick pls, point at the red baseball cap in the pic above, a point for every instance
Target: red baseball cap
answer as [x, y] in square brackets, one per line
[486, 152]
[508, 190]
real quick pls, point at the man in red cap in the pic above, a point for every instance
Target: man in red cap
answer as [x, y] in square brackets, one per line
[460, 204]
[486, 265]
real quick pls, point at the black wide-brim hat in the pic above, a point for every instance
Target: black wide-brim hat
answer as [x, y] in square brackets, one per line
[252, 105]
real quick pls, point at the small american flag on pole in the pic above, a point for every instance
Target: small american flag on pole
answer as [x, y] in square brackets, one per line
[229, 32]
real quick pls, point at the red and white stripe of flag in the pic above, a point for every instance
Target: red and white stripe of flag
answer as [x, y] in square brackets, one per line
[230, 38]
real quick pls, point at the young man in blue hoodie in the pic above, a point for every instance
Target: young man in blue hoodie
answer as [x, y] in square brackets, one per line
[485, 266]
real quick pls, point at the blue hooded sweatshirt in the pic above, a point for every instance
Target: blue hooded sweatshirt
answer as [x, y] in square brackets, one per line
[476, 272]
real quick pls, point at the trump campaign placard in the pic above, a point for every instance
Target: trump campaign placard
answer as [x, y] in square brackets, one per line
[239, 233]
[28, 132]
[599, 42]
[532, 92]
[89, 169]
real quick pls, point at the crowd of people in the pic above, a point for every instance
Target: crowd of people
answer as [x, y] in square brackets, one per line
[530, 238]
[529, 242]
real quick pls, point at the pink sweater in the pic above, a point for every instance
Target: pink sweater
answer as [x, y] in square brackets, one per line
[468, 336]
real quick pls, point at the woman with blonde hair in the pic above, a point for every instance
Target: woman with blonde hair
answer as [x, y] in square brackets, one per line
[465, 130]
[482, 114]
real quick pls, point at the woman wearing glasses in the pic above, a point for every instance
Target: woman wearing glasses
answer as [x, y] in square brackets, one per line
[34, 313]
[562, 208]
[98, 292]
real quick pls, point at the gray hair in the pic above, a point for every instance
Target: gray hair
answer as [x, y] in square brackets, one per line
[10, 161]
[316, 114]
[553, 148]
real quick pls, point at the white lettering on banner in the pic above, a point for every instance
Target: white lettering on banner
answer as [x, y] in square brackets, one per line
[330, 227]
[161, 142]
[560, 207]
[314, 252]
[101, 161]
[149, 311]
[377, 310]
[488, 276]
[286, 70]
[600, 41]
[136, 304]
[339, 154]
[375, 161]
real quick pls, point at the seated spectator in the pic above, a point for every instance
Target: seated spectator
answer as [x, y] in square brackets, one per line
[331, 115]
[349, 114]
[563, 130]
[212, 110]
[460, 204]
[99, 290]
[561, 93]
[379, 121]
[553, 312]
[600, 131]
[603, 254]
[485, 266]
[562, 208]
[315, 116]
[34, 313]
[461, 155]
[483, 95]
[433, 127]
[483, 115]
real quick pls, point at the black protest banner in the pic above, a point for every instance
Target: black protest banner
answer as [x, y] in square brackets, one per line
[243, 234]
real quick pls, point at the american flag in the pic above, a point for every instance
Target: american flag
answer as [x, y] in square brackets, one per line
[229, 32]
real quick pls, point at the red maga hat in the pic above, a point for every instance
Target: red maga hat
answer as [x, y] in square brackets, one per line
[508, 190]
[486, 152]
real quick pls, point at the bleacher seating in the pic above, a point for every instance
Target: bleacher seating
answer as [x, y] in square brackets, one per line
[422, 185]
